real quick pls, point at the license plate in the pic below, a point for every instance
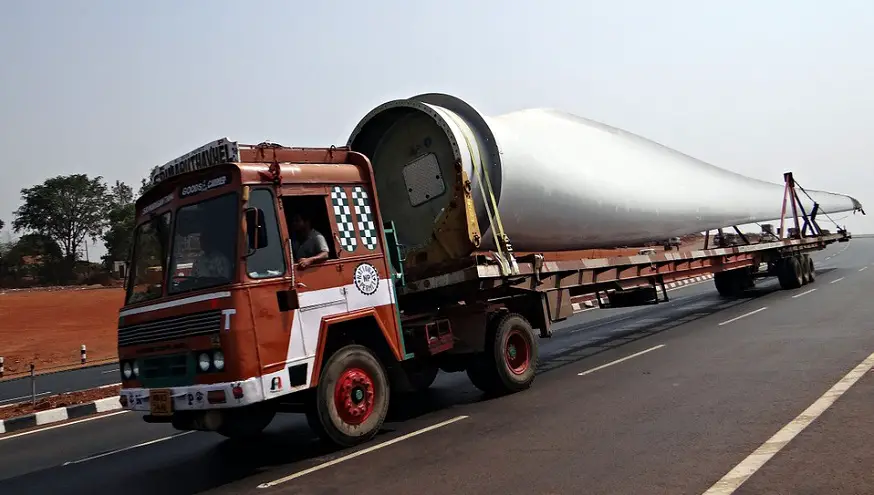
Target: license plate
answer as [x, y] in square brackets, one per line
[160, 402]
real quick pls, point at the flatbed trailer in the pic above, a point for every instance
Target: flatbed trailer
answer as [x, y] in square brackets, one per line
[252, 327]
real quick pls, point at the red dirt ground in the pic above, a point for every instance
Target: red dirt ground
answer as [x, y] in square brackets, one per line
[62, 400]
[48, 328]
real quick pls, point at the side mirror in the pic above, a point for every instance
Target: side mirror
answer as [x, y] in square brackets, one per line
[255, 229]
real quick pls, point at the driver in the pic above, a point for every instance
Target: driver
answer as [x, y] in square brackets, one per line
[213, 263]
[308, 244]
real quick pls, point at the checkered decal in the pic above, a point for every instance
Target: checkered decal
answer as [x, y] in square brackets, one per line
[345, 227]
[366, 228]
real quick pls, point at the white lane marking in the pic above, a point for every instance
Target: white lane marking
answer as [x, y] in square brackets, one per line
[125, 449]
[626, 358]
[803, 294]
[110, 371]
[71, 423]
[737, 476]
[359, 453]
[863, 268]
[836, 280]
[743, 316]
[23, 397]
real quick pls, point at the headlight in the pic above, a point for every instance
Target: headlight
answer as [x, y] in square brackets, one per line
[218, 360]
[136, 369]
[203, 361]
[128, 372]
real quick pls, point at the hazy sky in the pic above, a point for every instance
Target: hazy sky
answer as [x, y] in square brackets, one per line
[758, 87]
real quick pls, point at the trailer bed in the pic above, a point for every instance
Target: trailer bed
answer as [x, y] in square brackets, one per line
[538, 273]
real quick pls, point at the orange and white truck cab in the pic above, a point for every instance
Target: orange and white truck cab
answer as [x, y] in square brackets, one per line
[227, 317]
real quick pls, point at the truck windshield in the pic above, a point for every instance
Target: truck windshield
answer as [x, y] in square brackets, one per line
[151, 244]
[204, 244]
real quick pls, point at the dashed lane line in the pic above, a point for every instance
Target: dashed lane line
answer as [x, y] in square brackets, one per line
[360, 453]
[796, 296]
[626, 358]
[743, 316]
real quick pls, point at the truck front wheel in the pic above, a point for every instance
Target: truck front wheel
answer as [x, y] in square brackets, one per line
[509, 362]
[352, 397]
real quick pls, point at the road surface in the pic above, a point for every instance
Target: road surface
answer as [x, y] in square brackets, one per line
[19, 389]
[666, 399]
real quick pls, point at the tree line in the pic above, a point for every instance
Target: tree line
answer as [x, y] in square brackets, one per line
[55, 218]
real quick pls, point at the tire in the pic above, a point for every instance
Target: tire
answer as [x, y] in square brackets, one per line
[509, 363]
[246, 422]
[791, 270]
[733, 283]
[352, 398]
[811, 270]
[805, 269]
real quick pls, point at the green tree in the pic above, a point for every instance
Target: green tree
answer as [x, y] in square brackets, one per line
[67, 209]
[35, 255]
[120, 221]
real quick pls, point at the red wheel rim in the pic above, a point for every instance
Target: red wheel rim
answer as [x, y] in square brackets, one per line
[353, 396]
[518, 352]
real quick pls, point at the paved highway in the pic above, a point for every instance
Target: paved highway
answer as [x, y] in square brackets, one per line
[669, 398]
[19, 389]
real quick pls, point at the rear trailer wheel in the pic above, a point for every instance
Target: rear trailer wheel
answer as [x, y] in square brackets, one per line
[811, 270]
[790, 269]
[509, 363]
[805, 269]
[352, 397]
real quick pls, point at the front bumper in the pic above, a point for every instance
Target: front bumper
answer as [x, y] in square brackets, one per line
[198, 397]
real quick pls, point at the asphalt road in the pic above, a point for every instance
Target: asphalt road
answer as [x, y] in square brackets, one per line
[19, 389]
[702, 383]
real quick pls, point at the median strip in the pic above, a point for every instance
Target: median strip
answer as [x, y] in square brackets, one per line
[57, 408]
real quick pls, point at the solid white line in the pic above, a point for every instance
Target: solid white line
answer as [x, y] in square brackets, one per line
[863, 268]
[803, 294]
[110, 371]
[743, 316]
[23, 397]
[71, 423]
[359, 453]
[836, 280]
[737, 476]
[626, 358]
[125, 449]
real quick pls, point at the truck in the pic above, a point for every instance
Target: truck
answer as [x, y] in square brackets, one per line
[227, 321]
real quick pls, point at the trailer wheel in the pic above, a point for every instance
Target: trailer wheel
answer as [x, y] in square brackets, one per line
[246, 422]
[811, 270]
[805, 269]
[509, 363]
[790, 268]
[352, 397]
[727, 283]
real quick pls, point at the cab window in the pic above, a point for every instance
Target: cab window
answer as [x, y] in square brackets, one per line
[266, 261]
[309, 227]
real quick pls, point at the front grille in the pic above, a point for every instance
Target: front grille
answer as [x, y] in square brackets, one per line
[164, 367]
[177, 327]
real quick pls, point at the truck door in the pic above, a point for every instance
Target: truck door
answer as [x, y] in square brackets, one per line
[320, 287]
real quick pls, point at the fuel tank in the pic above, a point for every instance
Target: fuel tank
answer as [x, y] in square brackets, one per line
[452, 179]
